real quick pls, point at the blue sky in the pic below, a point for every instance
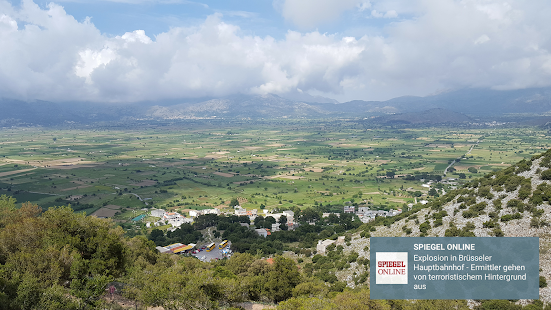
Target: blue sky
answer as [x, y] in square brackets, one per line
[254, 17]
[133, 50]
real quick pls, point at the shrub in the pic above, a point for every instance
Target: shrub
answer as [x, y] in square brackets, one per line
[515, 203]
[424, 227]
[546, 175]
[543, 282]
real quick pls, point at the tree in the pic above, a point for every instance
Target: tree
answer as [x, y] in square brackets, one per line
[268, 221]
[234, 202]
[259, 221]
[282, 279]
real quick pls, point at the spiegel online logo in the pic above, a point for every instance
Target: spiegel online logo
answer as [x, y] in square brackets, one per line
[391, 268]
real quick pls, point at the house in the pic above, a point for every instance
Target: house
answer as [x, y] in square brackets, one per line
[177, 222]
[195, 213]
[363, 210]
[349, 209]
[275, 227]
[262, 232]
[171, 216]
[322, 246]
[288, 214]
[240, 211]
[163, 249]
[211, 211]
[158, 212]
[394, 212]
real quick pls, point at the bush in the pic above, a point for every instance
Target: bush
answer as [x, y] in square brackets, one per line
[546, 175]
[489, 224]
[498, 232]
[543, 282]
[469, 214]
[424, 227]
[515, 203]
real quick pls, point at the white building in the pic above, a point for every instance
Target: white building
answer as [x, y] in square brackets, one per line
[158, 212]
[195, 213]
[349, 209]
[240, 211]
[322, 246]
[262, 232]
[171, 216]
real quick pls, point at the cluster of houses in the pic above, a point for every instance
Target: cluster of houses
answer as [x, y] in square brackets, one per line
[365, 214]
[174, 219]
[264, 232]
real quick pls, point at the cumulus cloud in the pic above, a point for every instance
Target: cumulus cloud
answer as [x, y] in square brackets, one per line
[47, 54]
[310, 13]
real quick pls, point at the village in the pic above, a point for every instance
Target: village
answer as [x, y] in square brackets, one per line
[218, 249]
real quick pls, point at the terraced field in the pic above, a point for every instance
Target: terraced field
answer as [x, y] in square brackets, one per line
[265, 164]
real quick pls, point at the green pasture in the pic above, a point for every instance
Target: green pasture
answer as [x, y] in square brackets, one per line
[273, 163]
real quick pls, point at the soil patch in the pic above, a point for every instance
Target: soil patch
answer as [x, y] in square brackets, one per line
[3, 174]
[104, 212]
[223, 174]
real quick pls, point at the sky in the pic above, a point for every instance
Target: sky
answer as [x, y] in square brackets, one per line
[154, 50]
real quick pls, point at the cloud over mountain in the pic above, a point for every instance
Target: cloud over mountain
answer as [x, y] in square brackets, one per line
[47, 54]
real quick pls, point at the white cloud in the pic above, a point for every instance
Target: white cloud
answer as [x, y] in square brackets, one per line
[364, 6]
[388, 14]
[47, 54]
[310, 13]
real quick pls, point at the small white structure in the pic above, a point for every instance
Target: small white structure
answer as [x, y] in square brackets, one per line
[349, 209]
[211, 211]
[322, 246]
[158, 212]
[262, 232]
[240, 211]
[195, 213]
[275, 227]
[171, 216]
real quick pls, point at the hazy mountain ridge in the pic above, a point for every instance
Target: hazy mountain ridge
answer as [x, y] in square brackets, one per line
[471, 102]
[431, 116]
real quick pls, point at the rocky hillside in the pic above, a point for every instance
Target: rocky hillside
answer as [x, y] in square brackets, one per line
[513, 202]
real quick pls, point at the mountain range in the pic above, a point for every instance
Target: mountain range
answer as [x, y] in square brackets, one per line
[458, 106]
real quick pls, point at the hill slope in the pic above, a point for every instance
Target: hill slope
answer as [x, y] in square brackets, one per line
[514, 202]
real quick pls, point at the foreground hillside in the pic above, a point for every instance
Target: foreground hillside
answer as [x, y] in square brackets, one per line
[59, 259]
[514, 202]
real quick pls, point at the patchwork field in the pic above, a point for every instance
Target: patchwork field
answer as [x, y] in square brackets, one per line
[273, 164]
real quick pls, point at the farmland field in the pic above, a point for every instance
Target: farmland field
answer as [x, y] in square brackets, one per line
[264, 164]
